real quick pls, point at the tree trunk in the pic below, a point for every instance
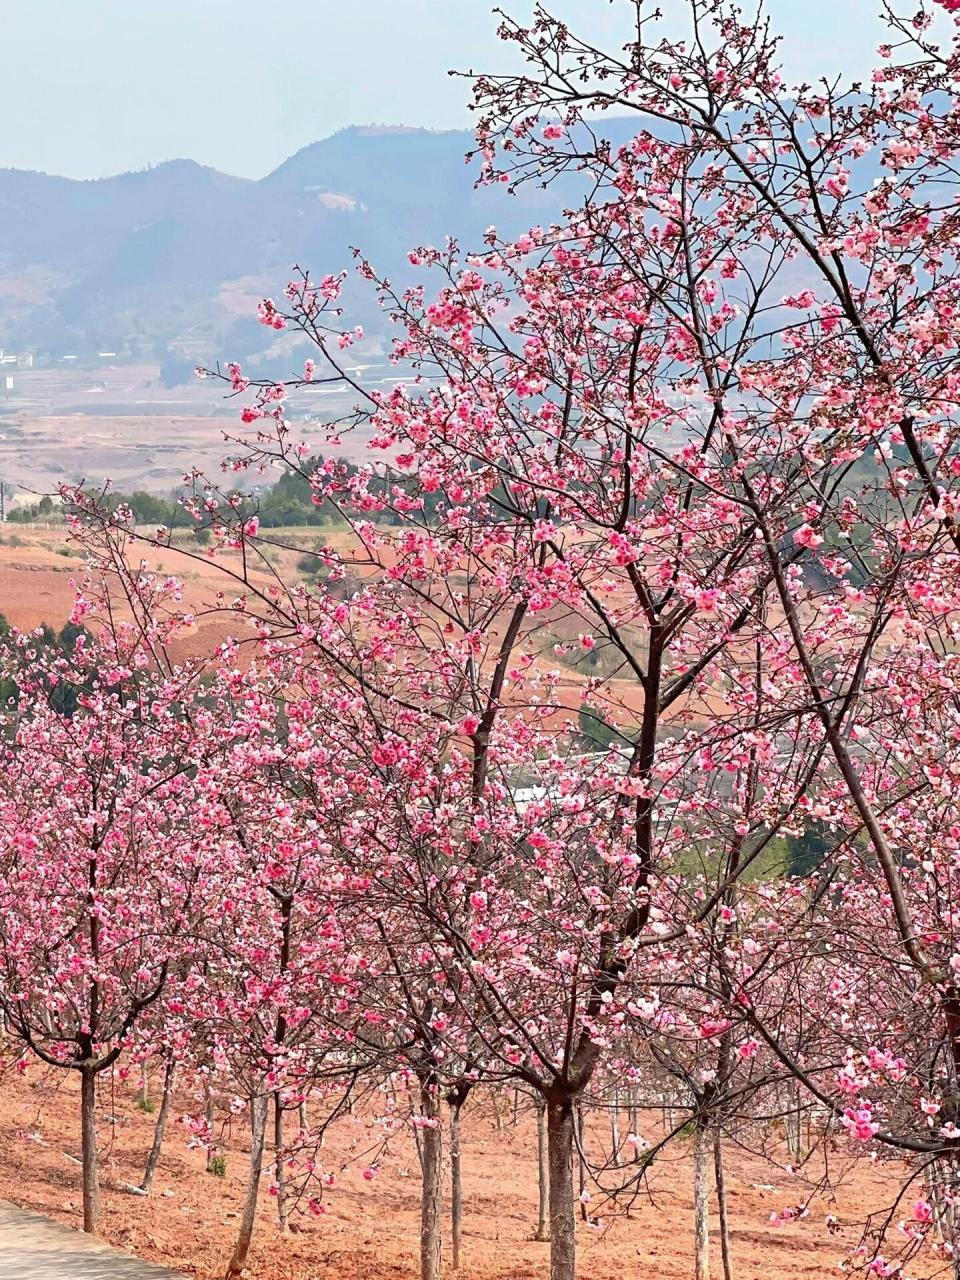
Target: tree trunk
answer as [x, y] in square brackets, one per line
[456, 1189]
[722, 1204]
[280, 1035]
[280, 1165]
[944, 1211]
[581, 1163]
[418, 1143]
[258, 1127]
[302, 1117]
[209, 1117]
[88, 1150]
[543, 1173]
[563, 1241]
[431, 1193]
[495, 1101]
[615, 1129]
[160, 1127]
[794, 1130]
[701, 1208]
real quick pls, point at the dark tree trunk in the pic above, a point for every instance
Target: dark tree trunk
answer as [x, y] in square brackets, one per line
[160, 1127]
[88, 1150]
[563, 1242]
[543, 1174]
[581, 1163]
[456, 1189]
[722, 1205]
[280, 1035]
[280, 1165]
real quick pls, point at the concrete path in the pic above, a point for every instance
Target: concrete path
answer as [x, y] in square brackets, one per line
[37, 1248]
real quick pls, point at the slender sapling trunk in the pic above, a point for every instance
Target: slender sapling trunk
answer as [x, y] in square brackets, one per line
[615, 1129]
[160, 1127]
[701, 1207]
[543, 1174]
[456, 1188]
[258, 1127]
[88, 1150]
[280, 1165]
[722, 1204]
[209, 1117]
[431, 1194]
[581, 1164]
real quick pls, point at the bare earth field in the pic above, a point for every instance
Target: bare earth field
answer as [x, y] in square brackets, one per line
[119, 421]
[116, 421]
[370, 1230]
[37, 568]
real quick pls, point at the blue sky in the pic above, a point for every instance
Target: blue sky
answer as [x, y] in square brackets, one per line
[90, 87]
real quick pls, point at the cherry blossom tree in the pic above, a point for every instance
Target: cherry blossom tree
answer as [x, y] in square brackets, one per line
[102, 881]
[675, 472]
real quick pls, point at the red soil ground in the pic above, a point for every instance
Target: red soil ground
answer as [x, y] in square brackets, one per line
[370, 1230]
[38, 566]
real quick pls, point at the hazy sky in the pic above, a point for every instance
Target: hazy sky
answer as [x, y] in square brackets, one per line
[90, 87]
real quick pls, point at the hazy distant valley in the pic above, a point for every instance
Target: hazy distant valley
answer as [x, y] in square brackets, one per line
[112, 290]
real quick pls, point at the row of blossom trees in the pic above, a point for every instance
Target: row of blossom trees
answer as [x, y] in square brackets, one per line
[653, 567]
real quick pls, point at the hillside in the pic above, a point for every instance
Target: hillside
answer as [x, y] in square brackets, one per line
[176, 253]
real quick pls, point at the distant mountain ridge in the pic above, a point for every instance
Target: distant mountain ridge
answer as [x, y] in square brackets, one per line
[174, 253]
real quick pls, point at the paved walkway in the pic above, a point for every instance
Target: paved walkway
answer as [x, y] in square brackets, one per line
[37, 1248]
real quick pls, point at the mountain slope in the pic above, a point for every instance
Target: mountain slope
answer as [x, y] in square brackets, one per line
[141, 260]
